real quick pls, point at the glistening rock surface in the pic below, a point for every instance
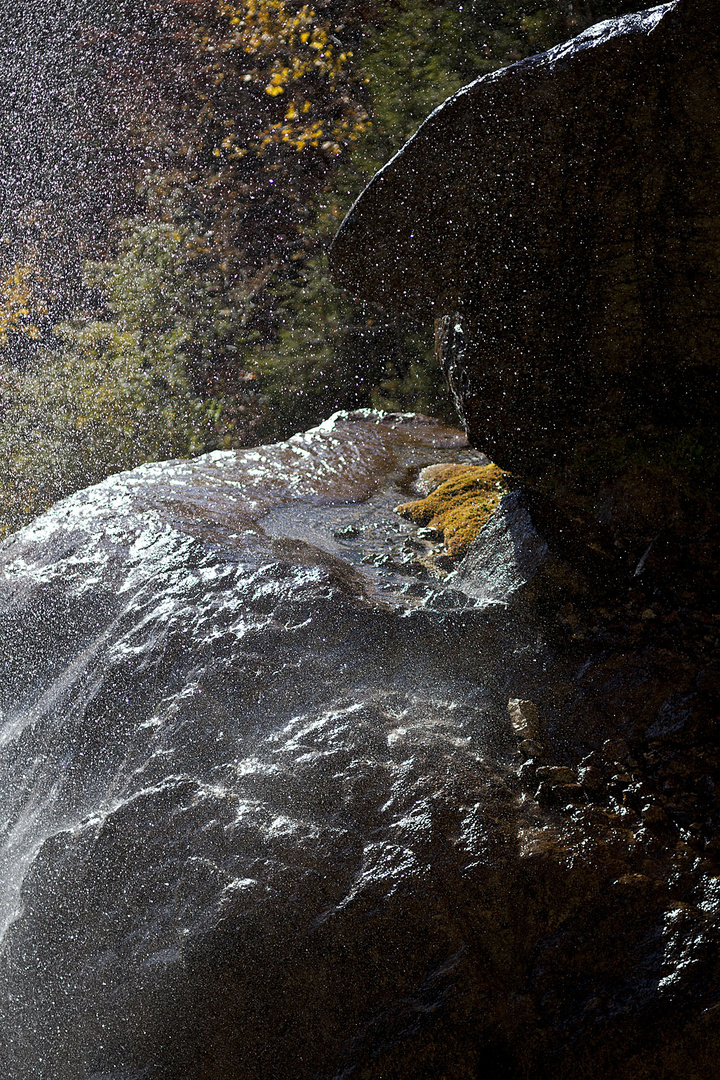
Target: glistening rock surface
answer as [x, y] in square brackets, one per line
[266, 813]
[560, 218]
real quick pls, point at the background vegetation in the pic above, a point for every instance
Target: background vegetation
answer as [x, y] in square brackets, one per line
[174, 171]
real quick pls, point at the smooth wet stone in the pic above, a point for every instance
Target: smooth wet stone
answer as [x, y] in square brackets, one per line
[505, 556]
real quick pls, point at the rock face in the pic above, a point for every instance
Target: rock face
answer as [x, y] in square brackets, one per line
[560, 219]
[279, 800]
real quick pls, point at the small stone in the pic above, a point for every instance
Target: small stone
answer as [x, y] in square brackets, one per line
[524, 718]
[529, 748]
[590, 777]
[543, 795]
[528, 771]
[652, 814]
[557, 774]
[414, 588]
[348, 532]
[558, 794]
[447, 600]
[635, 881]
[416, 568]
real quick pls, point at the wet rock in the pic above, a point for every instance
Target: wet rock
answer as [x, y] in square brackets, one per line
[557, 774]
[263, 816]
[530, 749]
[444, 562]
[550, 793]
[590, 777]
[653, 814]
[429, 534]
[505, 556]
[524, 718]
[527, 771]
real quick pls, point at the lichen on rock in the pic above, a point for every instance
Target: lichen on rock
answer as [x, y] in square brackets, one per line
[464, 500]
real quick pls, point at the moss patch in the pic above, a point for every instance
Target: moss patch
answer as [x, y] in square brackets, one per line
[460, 506]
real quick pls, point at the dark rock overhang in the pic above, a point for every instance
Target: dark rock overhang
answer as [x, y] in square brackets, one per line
[506, 164]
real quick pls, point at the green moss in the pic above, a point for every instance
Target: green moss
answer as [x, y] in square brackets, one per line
[460, 505]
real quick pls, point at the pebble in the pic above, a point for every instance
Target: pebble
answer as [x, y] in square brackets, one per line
[524, 718]
[557, 774]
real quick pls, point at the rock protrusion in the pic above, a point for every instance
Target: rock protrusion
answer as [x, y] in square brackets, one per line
[524, 718]
[560, 220]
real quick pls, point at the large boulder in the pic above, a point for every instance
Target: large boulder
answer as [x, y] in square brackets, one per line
[278, 800]
[560, 220]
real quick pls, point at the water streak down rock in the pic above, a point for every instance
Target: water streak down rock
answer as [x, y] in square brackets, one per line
[560, 220]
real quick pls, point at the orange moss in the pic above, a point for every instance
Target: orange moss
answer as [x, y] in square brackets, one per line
[432, 476]
[460, 505]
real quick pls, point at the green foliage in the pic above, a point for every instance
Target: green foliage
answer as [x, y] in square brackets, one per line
[167, 284]
[99, 405]
[153, 380]
[93, 409]
[326, 355]
[414, 66]
[299, 376]
[413, 381]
